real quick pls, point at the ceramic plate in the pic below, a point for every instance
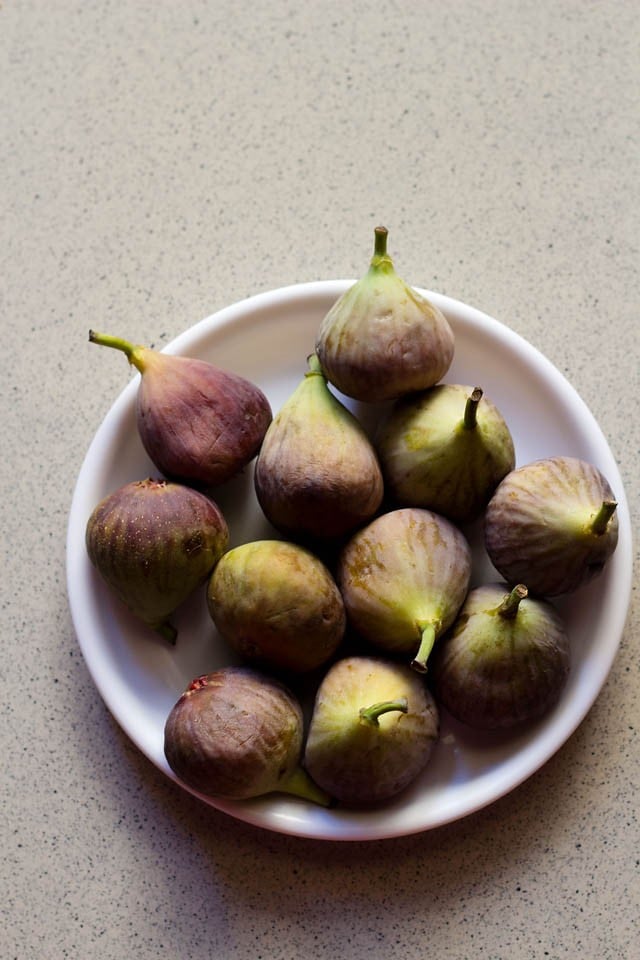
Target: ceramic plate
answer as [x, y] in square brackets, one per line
[267, 339]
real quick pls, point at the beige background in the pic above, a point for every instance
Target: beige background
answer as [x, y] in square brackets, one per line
[163, 159]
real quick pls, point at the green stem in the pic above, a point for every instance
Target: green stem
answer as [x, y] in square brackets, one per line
[509, 606]
[602, 517]
[315, 370]
[370, 714]
[300, 784]
[134, 354]
[427, 640]
[381, 259]
[471, 409]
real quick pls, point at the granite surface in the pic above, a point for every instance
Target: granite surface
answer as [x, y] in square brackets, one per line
[163, 159]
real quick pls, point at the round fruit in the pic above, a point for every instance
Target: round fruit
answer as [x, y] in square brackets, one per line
[154, 542]
[238, 733]
[552, 525]
[277, 605]
[505, 661]
[372, 730]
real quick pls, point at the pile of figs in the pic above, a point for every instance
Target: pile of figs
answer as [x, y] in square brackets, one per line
[361, 604]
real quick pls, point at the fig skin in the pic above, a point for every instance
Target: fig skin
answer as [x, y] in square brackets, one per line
[382, 339]
[238, 733]
[403, 579]
[372, 730]
[552, 525]
[504, 662]
[200, 425]
[277, 605]
[154, 542]
[317, 475]
[445, 449]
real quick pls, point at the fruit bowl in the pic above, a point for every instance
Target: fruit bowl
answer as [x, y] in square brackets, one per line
[267, 339]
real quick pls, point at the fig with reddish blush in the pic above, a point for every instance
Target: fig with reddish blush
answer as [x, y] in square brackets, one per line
[238, 733]
[154, 542]
[552, 524]
[199, 425]
[505, 660]
[317, 475]
[382, 339]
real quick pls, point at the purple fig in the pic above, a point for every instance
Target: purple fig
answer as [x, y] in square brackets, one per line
[505, 660]
[154, 542]
[372, 730]
[382, 339]
[403, 579]
[277, 605]
[552, 525]
[445, 449]
[199, 425]
[317, 474]
[238, 733]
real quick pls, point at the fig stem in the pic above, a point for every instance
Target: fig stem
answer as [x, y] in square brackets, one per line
[427, 641]
[132, 352]
[314, 366]
[370, 714]
[471, 409]
[602, 517]
[509, 606]
[381, 259]
[167, 631]
[300, 784]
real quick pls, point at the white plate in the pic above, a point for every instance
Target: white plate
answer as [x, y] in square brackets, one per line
[267, 339]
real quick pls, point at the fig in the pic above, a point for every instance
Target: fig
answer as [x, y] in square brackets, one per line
[382, 339]
[505, 660]
[154, 542]
[552, 524]
[238, 733]
[317, 474]
[403, 579]
[277, 605]
[372, 730]
[445, 449]
[199, 425]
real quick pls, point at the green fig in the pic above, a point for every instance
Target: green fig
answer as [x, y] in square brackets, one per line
[403, 579]
[238, 733]
[445, 449]
[505, 660]
[154, 542]
[372, 730]
[382, 339]
[277, 605]
[552, 524]
[199, 425]
[317, 474]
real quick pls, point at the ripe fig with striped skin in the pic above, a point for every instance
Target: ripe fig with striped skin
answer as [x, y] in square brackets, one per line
[505, 660]
[238, 733]
[445, 449]
[154, 542]
[277, 605]
[382, 339]
[552, 524]
[403, 579]
[317, 474]
[372, 730]
[199, 425]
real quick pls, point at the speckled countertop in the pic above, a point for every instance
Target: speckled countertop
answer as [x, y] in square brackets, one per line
[161, 160]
